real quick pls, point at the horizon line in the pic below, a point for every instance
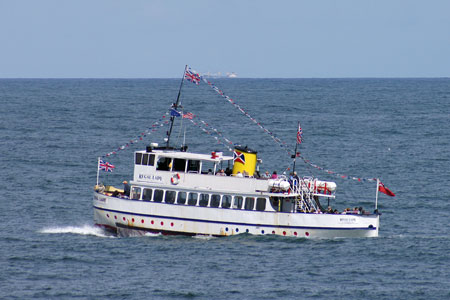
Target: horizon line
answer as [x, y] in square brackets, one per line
[236, 78]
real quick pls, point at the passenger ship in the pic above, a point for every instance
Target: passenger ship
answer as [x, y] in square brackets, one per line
[174, 191]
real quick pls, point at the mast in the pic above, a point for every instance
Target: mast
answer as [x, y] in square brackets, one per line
[376, 196]
[175, 106]
[296, 145]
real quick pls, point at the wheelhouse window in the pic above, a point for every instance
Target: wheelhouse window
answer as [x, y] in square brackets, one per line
[136, 193]
[226, 201]
[215, 200]
[158, 196]
[237, 203]
[138, 159]
[145, 159]
[147, 195]
[164, 164]
[181, 198]
[203, 200]
[249, 203]
[261, 204]
[151, 159]
[179, 165]
[193, 166]
[170, 197]
[192, 199]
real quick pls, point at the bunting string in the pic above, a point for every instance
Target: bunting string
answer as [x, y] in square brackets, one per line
[306, 161]
[204, 126]
[281, 143]
[245, 113]
[154, 127]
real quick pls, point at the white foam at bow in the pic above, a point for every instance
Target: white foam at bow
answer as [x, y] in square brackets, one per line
[82, 230]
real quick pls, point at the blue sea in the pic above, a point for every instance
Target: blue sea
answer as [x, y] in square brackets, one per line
[52, 132]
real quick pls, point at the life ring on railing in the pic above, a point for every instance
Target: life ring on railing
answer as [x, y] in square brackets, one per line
[175, 179]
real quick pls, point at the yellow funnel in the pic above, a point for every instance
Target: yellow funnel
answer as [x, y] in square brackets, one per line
[244, 161]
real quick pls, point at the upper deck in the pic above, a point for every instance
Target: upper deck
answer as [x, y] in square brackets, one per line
[187, 170]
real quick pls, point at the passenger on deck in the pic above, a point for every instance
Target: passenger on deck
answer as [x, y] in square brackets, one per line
[296, 177]
[228, 171]
[266, 175]
[239, 174]
[329, 210]
[274, 175]
[210, 172]
[126, 188]
[221, 173]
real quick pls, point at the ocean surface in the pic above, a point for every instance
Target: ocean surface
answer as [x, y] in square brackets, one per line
[52, 132]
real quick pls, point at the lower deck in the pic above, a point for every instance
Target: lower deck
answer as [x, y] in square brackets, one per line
[172, 218]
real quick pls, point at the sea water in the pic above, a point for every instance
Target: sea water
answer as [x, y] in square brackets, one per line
[52, 132]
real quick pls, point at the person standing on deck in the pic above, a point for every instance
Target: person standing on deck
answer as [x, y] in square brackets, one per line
[126, 188]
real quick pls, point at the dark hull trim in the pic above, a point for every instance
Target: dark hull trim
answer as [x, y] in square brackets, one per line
[232, 223]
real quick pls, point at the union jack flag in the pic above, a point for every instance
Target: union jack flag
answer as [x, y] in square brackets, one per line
[192, 76]
[188, 116]
[299, 134]
[105, 166]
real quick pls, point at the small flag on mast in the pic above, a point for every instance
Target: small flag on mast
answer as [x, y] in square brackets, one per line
[188, 116]
[174, 113]
[192, 76]
[299, 134]
[105, 166]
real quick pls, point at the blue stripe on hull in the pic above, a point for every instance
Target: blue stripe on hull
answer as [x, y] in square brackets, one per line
[233, 223]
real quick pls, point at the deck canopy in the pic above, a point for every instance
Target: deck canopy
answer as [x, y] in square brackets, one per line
[213, 157]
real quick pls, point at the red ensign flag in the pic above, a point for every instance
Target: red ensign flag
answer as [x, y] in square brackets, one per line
[385, 190]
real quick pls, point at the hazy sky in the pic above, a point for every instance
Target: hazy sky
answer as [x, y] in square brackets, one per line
[146, 39]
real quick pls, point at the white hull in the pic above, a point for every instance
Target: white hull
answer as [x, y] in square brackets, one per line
[142, 216]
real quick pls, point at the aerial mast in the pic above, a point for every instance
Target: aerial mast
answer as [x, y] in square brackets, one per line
[299, 141]
[175, 106]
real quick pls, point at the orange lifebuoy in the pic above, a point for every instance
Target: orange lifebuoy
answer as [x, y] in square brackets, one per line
[175, 179]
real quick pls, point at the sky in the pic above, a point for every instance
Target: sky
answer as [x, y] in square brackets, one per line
[257, 39]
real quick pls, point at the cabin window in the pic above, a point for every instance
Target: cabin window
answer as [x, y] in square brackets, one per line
[249, 203]
[179, 165]
[138, 159]
[203, 200]
[147, 196]
[261, 204]
[192, 199]
[158, 196]
[275, 202]
[238, 200]
[207, 167]
[136, 193]
[151, 159]
[193, 166]
[181, 199]
[226, 201]
[215, 200]
[170, 197]
[287, 204]
[164, 164]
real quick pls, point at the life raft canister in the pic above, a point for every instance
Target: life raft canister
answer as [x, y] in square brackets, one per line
[175, 179]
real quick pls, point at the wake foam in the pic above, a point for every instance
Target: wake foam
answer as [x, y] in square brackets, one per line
[82, 230]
